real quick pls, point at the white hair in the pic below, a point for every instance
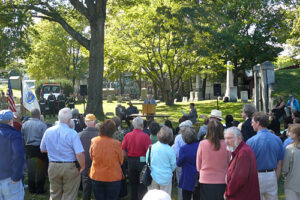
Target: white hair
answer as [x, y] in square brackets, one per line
[138, 123]
[72, 124]
[90, 123]
[64, 115]
[233, 130]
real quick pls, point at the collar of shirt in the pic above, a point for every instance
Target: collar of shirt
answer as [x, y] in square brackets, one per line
[237, 149]
[263, 131]
[63, 124]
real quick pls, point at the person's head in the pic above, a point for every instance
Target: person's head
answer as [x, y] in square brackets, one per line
[154, 127]
[65, 115]
[138, 123]
[259, 121]
[35, 113]
[107, 128]
[156, 195]
[233, 138]
[296, 120]
[229, 119]
[280, 98]
[119, 104]
[130, 103]
[291, 97]
[215, 115]
[215, 133]
[90, 120]
[165, 135]
[189, 135]
[149, 96]
[168, 123]
[117, 121]
[294, 133]
[192, 105]
[75, 113]
[206, 120]
[187, 123]
[42, 118]
[72, 124]
[6, 117]
[248, 110]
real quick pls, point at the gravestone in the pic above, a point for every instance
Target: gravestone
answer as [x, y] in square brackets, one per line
[184, 99]
[196, 98]
[233, 94]
[119, 99]
[229, 81]
[109, 99]
[191, 96]
[244, 96]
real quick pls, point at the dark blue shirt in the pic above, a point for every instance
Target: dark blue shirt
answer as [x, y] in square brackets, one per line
[267, 148]
[131, 110]
[187, 160]
[247, 130]
[12, 153]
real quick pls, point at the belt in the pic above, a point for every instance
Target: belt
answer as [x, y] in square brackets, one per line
[266, 170]
[63, 161]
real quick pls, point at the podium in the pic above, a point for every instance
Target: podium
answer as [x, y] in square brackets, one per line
[148, 109]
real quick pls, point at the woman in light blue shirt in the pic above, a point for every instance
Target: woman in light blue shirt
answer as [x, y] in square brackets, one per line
[163, 161]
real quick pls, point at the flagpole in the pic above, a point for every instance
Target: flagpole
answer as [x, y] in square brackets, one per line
[21, 100]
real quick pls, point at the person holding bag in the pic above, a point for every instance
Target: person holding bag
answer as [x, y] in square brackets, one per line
[162, 161]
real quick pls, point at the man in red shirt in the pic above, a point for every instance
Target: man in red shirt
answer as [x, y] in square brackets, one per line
[135, 146]
[242, 177]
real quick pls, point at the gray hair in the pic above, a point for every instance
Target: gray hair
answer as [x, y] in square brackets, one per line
[233, 130]
[165, 135]
[189, 135]
[64, 115]
[138, 123]
[249, 109]
[35, 113]
[88, 123]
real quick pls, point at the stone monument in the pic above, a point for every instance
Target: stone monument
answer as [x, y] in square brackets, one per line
[191, 96]
[229, 84]
[264, 79]
[143, 93]
[109, 99]
[196, 96]
[184, 99]
[244, 96]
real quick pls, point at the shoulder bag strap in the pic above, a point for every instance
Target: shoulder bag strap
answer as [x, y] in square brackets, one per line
[149, 157]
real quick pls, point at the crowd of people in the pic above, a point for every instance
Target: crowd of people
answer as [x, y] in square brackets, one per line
[234, 161]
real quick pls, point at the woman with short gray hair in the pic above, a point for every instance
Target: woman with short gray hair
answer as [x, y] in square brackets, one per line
[247, 129]
[187, 160]
[163, 161]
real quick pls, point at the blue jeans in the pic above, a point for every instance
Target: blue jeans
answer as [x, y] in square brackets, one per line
[106, 190]
[10, 190]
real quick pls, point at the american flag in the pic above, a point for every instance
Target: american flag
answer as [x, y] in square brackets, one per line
[10, 98]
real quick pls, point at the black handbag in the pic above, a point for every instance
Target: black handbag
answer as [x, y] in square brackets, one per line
[145, 175]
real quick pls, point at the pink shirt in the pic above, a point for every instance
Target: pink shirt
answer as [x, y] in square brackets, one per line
[211, 164]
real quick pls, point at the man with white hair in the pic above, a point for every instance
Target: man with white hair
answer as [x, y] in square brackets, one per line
[86, 136]
[135, 145]
[65, 151]
[241, 178]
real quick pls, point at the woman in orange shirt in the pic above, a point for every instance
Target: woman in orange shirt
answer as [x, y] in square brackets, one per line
[107, 158]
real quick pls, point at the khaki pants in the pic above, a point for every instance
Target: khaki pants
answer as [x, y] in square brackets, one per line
[64, 181]
[166, 188]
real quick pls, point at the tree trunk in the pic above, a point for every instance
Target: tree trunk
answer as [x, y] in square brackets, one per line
[204, 87]
[96, 67]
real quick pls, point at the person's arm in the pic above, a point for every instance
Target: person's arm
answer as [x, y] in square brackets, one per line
[125, 154]
[286, 163]
[282, 105]
[278, 169]
[180, 160]
[199, 158]
[81, 160]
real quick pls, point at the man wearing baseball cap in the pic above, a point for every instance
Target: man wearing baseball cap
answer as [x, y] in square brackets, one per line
[12, 158]
[85, 137]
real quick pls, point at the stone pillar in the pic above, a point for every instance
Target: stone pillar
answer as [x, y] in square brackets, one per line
[256, 92]
[229, 80]
[191, 96]
[267, 82]
[196, 96]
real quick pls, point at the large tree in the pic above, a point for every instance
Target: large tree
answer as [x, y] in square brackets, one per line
[94, 11]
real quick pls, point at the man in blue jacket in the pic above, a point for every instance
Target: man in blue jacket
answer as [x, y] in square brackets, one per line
[12, 159]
